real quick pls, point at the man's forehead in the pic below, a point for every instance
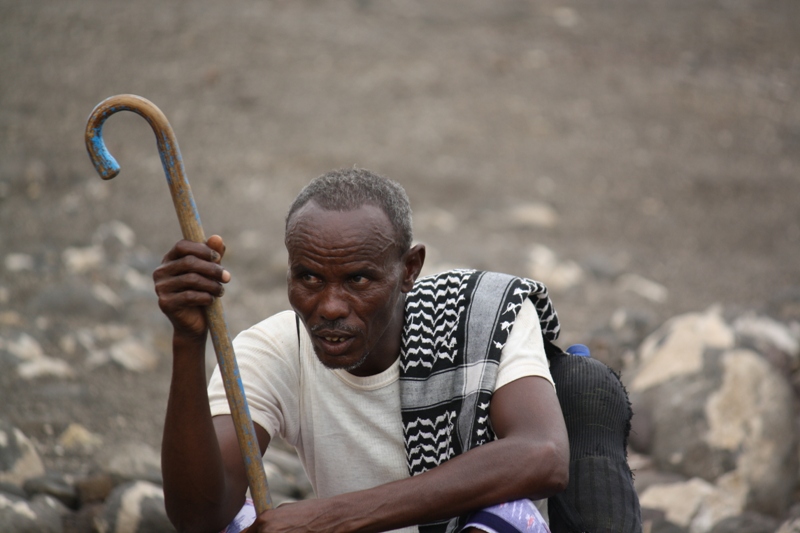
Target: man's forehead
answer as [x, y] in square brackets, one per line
[367, 226]
[313, 215]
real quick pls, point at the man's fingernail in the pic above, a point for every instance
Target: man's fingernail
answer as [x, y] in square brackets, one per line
[226, 276]
[214, 255]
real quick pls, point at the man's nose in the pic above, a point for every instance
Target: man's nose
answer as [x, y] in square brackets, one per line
[333, 303]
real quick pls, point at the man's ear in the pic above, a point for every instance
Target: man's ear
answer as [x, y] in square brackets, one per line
[413, 261]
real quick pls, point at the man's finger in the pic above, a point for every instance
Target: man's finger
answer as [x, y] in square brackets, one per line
[216, 243]
[200, 250]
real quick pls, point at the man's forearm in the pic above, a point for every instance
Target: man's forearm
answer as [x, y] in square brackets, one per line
[504, 470]
[196, 495]
[530, 459]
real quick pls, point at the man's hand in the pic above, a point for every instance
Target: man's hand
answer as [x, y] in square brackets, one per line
[189, 279]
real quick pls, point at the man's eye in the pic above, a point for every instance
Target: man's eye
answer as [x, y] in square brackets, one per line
[309, 278]
[358, 279]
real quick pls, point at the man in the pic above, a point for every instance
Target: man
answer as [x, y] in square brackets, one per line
[377, 366]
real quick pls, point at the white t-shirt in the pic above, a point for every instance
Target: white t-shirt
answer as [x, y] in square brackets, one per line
[347, 429]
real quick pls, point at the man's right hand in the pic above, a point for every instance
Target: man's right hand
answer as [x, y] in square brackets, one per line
[189, 279]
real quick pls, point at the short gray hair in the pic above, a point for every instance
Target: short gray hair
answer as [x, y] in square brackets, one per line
[349, 189]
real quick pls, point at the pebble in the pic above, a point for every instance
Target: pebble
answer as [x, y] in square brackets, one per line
[77, 438]
[133, 461]
[17, 262]
[45, 366]
[545, 266]
[18, 457]
[133, 355]
[53, 485]
[647, 289]
[533, 215]
[82, 260]
[136, 507]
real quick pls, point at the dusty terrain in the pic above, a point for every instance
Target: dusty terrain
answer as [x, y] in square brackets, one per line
[664, 135]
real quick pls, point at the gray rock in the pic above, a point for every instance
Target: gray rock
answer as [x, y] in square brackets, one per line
[75, 297]
[115, 238]
[717, 410]
[18, 458]
[291, 467]
[655, 521]
[136, 507]
[82, 260]
[83, 520]
[790, 526]
[559, 275]
[94, 488]
[746, 523]
[11, 488]
[53, 485]
[696, 505]
[41, 515]
[134, 355]
[133, 461]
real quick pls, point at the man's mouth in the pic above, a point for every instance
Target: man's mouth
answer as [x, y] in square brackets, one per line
[334, 345]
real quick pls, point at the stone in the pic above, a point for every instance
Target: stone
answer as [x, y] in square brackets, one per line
[790, 526]
[764, 331]
[18, 457]
[83, 520]
[75, 297]
[16, 262]
[746, 523]
[290, 465]
[532, 215]
[82, 260]
[94, 488]
[647, 289]
[545, 266]
[136, 507]
[655, 521]
[676, 348]
[40, 515]
[280, 485]
[77, 438]
[114, 237]
[776, 342]
[24, 348]
[43, 367]
[716, 412]
[53, 485]
[694, 504]
[434, 219]
[133, 355]
[133, 461]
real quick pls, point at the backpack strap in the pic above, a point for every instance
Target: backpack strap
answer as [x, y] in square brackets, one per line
[600, 496]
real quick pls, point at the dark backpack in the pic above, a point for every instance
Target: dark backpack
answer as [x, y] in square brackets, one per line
[600, 496]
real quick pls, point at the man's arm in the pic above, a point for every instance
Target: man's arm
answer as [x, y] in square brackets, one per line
[204, 478]
[530, 459]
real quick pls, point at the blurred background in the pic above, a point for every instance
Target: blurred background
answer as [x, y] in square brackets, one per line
[640, 157]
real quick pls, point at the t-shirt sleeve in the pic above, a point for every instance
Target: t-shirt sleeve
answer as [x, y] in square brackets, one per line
[269, 369]
[524, 355]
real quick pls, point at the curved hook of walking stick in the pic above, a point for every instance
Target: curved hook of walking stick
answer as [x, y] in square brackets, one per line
[191, 228]
[171, 160]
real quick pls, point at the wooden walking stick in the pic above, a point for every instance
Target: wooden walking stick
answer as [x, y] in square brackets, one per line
[189, 219]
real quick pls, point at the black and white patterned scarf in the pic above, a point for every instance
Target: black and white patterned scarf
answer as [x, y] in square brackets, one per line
[456, 325]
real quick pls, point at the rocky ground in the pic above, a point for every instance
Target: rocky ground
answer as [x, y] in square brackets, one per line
[642, 158]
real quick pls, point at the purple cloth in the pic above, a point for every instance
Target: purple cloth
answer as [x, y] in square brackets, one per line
[243, 520]
[520, 516]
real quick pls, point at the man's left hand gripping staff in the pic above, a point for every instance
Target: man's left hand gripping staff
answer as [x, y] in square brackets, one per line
[529, 460]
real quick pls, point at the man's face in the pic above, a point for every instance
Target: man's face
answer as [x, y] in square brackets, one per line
[346, 279]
